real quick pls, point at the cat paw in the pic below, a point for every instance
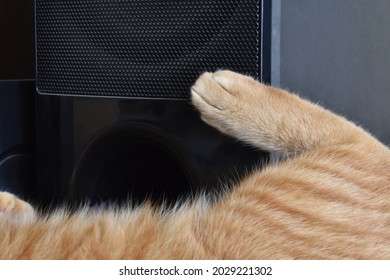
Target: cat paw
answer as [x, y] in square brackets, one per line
[10, 205]
[266, 117]
[229, 102]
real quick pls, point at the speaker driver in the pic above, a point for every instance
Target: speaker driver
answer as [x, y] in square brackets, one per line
[142, 48]
[132, 162]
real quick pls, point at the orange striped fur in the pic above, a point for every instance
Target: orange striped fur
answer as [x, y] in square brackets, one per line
[329, 198]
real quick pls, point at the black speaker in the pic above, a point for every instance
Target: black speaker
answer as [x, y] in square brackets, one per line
[114, 76]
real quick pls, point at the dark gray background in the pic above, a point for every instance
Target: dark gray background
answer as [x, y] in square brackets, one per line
[337, 53]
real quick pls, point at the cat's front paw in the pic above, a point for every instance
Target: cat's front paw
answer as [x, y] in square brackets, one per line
[10, 205]
[228, 101]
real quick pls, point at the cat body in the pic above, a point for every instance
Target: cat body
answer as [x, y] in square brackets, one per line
[329, 198]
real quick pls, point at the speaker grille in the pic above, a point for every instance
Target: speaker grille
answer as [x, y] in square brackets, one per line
[142, 48]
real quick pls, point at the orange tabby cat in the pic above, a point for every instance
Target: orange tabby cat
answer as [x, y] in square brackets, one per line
[328, 199]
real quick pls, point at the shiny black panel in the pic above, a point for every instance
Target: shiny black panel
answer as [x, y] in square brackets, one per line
[116, 149]
[17, 137]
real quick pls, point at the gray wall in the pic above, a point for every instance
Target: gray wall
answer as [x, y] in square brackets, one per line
[337, 53]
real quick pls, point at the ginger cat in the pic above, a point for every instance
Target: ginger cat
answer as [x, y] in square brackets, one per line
[329, 198]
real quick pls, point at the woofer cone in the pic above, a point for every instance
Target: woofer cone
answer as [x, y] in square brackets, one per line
[132, 162]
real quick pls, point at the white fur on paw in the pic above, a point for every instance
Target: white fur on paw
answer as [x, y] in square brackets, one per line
[13, 207]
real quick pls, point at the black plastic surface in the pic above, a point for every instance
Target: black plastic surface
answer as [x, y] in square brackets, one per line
[116, 149]
[17, 59]
[17, 137]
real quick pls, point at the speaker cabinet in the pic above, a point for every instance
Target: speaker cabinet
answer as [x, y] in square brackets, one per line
[114, 76]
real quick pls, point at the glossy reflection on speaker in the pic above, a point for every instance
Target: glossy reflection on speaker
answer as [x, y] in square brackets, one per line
[17, 137]
[113, 112]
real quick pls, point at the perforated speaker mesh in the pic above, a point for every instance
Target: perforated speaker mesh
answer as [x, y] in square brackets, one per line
[142, 48]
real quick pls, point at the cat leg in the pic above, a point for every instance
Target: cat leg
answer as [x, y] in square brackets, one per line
[266, 117]
[11, 206]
